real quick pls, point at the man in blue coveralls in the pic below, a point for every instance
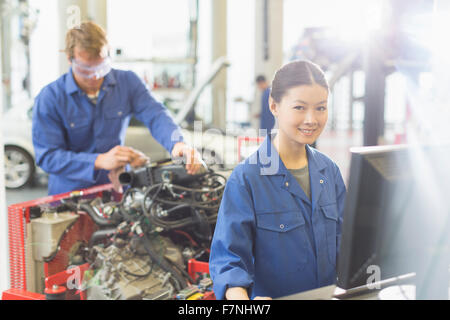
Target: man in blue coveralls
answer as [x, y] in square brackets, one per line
[267, 121]
[80, 120]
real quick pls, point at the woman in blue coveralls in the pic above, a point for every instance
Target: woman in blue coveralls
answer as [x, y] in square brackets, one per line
[279, 223]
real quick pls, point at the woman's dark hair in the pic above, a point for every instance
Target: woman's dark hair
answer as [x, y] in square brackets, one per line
[294, 74]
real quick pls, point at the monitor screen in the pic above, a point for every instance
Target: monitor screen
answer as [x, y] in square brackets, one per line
[396, 216]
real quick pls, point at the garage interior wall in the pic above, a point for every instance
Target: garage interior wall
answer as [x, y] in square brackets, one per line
[219, 49]
[268, 44]
[4, 270]
[71, 13]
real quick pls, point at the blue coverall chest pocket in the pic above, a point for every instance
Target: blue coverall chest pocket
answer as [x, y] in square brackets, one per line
[280, 221]
[282, 237]
[114, 118]
[79, 130]
[116, 113]
[330, 214]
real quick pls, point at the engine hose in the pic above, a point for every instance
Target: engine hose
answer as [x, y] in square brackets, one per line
[183, 272]
[197, 190]
[161, 262]
[146, 194]
[97, 219]
[140, 275]
[201, 205]
[181, 206]
[128, 192]
[212, 218]
[178, 223]
[204, 226]
[191, 204]
[99, 235]
[169, 224]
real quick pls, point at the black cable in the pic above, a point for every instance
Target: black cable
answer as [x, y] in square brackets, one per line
[183, 272]
[140, 275]
[128, 192]
[181, 206]
[151, 213]
[122, 207]
[204, 225]
[146, 194]
[161, 262]
[191, 204]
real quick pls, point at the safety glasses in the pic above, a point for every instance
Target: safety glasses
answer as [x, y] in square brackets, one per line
[92, 72]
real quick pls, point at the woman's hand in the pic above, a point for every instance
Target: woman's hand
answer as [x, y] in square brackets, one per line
[236, 293]
[239, 293]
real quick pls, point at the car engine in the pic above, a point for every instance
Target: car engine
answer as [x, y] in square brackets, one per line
[141, 245]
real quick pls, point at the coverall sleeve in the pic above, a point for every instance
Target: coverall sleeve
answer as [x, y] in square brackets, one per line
[154, 115]
[50, 146]
[340, 199]
[231, 261]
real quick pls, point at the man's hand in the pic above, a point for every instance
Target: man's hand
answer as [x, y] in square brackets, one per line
[139, 160]
[118, 157]
[193, 159]
[113, 176]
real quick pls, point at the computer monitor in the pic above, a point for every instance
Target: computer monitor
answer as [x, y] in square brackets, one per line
[396, 217]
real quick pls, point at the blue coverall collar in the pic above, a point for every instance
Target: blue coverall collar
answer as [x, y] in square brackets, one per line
[270, 164]
[72, 87]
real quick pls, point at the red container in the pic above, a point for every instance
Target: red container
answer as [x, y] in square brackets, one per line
[19, 217]
[56, 272]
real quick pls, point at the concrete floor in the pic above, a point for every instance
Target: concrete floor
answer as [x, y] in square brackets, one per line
[25, 194]
[38, 189]
[335, 144]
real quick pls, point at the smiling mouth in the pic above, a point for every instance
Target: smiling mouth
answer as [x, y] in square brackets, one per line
[307, 132]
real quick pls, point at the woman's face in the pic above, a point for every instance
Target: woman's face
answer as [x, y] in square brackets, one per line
[302, 113]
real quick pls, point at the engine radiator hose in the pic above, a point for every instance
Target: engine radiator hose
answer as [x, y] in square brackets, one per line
[97, 219]
[99, 235]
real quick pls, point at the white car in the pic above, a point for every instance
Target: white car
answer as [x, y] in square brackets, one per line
[19, 155]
